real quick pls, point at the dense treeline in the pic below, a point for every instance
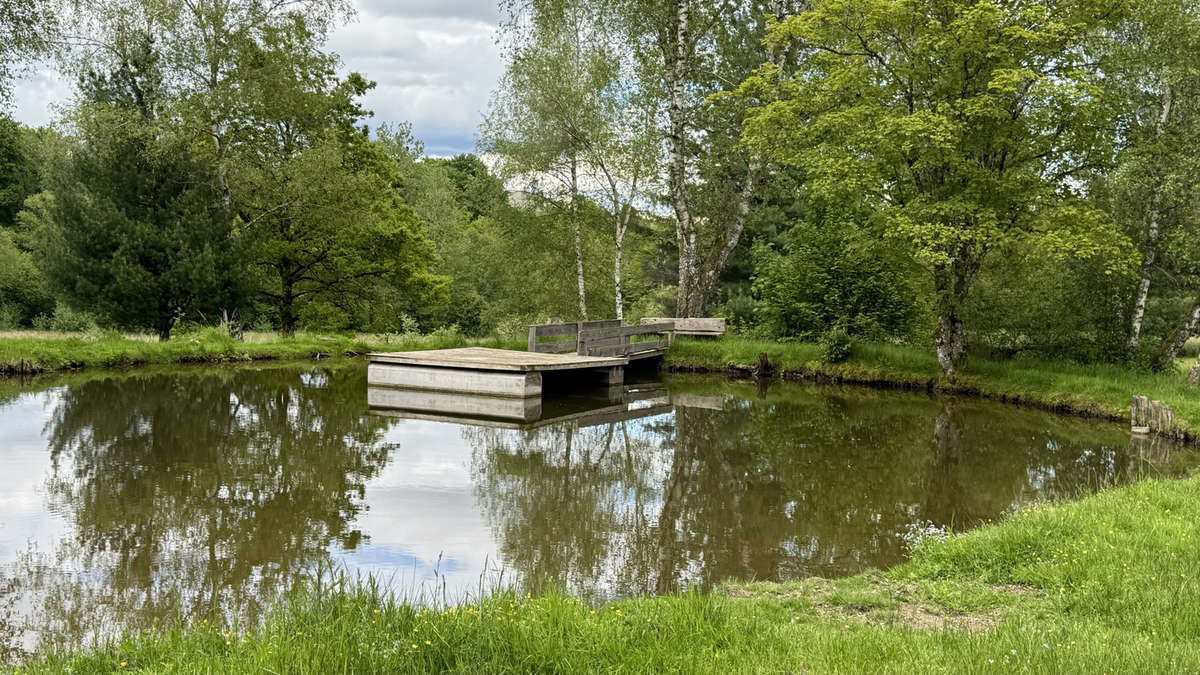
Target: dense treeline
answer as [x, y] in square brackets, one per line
[984, 175]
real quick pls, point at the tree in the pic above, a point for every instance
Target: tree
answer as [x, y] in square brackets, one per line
[962, 121]
[569, 112]
[134, 229]
[688, 51]
[203, 45]
[314, 196]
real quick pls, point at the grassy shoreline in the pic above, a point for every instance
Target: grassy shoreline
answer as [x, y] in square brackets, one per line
[39, 354]
[1090, 390]
[1103, 584]
[1099, 390]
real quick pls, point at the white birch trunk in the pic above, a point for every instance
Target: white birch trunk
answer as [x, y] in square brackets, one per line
[622, 226]
[578, 234]
[677, 168]
[1139, 302]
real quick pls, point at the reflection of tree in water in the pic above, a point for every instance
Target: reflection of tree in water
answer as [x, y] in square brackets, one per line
[818, 482]
[568, 505]
[195, 493]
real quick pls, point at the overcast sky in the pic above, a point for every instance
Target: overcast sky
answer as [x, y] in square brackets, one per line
[435, 62]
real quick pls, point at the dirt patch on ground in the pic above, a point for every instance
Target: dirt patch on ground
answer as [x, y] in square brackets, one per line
[912, 616]
[885, 603]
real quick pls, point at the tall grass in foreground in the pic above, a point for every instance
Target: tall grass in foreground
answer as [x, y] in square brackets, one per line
[1103, 585]
[1100, 389]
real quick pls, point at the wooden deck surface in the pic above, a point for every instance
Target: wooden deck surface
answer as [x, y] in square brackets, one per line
[486, 358]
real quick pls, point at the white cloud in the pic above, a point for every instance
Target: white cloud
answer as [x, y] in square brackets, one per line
[38, 93]
[435, 61]
[437, 72]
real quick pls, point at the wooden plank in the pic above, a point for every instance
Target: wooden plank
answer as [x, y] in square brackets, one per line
[705, 325]
[559, 347]
[591, 343]
[554, 329]
[486, 358]
[621, 331]
[482, 382]
[607, 351]
[637, 347]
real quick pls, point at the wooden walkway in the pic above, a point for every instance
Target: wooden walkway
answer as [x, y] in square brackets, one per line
[507, 384]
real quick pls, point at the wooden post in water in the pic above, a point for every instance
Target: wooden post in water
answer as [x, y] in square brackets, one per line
[1139, 414]
[1152, 417]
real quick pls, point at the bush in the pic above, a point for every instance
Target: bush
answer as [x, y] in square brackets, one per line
[834, 276]
[10, 316]
[836, 345]
[66, 320]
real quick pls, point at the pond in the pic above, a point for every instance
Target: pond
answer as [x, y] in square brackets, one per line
[142, 497]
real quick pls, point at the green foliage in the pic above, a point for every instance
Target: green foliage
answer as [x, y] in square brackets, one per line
[957, 159]
[832, 275]
[134, 229]
[836, 345]
[65, 320]
[1026, 303]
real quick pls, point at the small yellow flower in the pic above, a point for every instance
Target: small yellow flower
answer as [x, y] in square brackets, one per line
[428, 642]
[123, 664]
[376, 611]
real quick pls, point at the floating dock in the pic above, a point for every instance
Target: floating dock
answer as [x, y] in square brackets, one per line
[439, 379]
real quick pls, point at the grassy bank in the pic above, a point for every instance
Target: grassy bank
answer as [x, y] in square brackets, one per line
[48, 352]
[1102, 390]
[1106, 584]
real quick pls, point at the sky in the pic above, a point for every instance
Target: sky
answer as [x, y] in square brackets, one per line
[435, 61]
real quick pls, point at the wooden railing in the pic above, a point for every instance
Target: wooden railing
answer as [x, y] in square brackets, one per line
[600, 338]
[563, 330]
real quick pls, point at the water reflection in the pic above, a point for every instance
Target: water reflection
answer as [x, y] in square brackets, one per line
[147, 497]
[191, 494]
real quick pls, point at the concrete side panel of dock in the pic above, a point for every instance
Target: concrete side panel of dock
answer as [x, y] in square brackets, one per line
[482, 382]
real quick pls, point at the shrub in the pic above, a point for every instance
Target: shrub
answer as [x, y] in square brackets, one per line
[65, 320]
[833, 275]
[836, 345]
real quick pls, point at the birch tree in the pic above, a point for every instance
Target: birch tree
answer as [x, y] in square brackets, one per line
[1151, 60]
[690, 50]
[203, 45]
[569, 114]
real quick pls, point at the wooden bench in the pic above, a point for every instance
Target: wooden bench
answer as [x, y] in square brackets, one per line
[705, 327]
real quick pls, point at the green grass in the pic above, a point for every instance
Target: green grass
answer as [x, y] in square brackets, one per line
[1106, 584]
[1103, 390]
[42, 352]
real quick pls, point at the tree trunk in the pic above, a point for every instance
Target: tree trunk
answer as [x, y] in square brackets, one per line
[578, 239]
[287, 310]
[622, 226]
[951, 284]
[1139, 303]
[164, 332]
[1194, 376]
[685, 228]
[1174, 342]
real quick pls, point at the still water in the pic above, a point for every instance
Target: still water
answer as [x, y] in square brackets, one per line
[130, 498]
